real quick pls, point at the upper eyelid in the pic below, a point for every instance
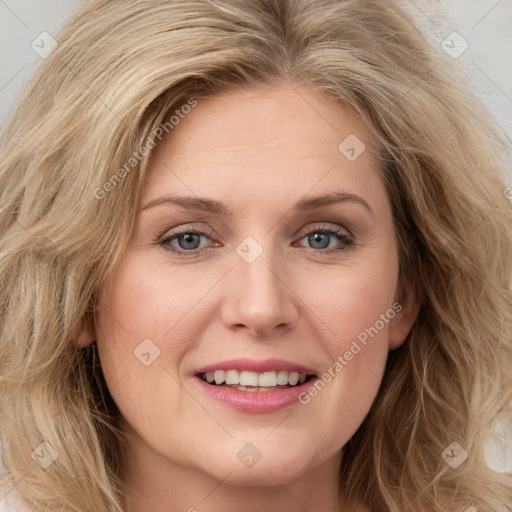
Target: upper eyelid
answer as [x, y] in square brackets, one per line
[186, 228]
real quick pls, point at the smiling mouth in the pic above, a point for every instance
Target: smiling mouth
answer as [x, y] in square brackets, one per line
[253, 381]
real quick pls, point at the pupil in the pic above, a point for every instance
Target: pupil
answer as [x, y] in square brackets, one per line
[316, 237]
[188, 238]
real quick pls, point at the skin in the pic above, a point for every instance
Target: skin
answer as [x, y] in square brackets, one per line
[258, 151]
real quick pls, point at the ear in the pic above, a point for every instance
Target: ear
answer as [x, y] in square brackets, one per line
[85, 332]
[408, 303]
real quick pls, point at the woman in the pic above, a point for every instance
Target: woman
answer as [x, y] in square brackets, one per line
[255, 256]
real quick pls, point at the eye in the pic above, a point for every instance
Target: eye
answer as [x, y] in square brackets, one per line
[321, 237]
[188, 241]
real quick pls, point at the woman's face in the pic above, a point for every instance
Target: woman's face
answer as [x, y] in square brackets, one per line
[256, 264]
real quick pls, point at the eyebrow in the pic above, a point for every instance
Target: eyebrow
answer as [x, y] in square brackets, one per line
[216, 207]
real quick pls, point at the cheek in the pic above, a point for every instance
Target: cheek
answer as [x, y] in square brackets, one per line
[354, 309]
[137, 310]
[146, 300]
[351, 300]
[355, 313]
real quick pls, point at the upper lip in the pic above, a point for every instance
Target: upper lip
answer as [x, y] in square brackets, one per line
[257, 365]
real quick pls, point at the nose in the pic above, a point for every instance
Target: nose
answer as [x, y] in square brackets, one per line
[260, 297]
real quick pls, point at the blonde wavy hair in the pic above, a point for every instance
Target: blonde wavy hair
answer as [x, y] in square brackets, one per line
[119, 69]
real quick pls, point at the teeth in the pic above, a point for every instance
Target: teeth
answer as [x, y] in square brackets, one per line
[219, 376]
[282, 378]
[232, 377]
[267, 379]
[246, 378]
[293, 378]
[251, 388]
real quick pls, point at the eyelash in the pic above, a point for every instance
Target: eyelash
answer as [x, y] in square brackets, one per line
[341, 234]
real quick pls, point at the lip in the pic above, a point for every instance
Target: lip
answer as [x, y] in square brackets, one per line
[255, 401]
[255, 365]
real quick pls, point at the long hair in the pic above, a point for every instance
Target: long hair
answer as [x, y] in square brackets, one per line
[72, 167]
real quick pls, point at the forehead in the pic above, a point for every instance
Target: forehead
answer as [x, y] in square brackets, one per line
[280, 136]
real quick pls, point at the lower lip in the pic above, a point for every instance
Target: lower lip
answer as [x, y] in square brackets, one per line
[255, 401]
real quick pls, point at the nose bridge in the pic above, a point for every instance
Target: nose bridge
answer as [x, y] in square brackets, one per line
[260, 299]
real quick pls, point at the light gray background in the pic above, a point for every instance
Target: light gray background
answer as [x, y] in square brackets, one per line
[486, 25]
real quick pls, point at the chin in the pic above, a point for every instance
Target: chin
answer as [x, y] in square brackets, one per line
[261, 474]
[264, 468]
